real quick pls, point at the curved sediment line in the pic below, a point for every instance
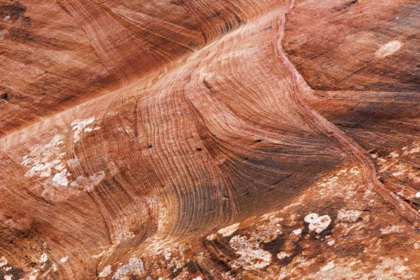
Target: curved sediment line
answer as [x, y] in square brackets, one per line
[408, 213]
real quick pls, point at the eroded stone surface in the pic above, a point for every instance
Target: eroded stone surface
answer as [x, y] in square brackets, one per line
[198, 151]
[356, 45]
[362, 241]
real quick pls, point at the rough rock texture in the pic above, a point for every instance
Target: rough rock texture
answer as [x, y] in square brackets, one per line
[356, 45]
[202, 139]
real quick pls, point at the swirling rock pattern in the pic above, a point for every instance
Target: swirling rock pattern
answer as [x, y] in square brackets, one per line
[204, 139]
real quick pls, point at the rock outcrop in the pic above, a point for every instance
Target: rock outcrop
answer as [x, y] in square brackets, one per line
[198, 139]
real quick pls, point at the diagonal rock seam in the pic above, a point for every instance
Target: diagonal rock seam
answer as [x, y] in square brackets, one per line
[408, 213]
[402, 208]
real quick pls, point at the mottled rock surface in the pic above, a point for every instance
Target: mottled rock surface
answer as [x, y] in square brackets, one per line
[198, 139]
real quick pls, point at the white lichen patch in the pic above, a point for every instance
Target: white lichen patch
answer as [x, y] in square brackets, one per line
[43, 258]
[34, 274]
[8, 277]
[403, 170]
[134, 266]
[100, 254]
[267, 229]
[174, 257]
[331, 184]
[328, 266]
[282, 255]
[331, 242]
[61, 178]
[229, 230]
[297, 231]
[105, 272]
[317, 223]
[46, 161]
[3, 261]
[64, 259]
[167, 255]
[413, 148]
[49, 164]
[251, 256]
[355, 171]
[348, 216]
[211, 237]
[394, 154]
[83, 126]
[269, 216]
[391, 229]
[388, 49]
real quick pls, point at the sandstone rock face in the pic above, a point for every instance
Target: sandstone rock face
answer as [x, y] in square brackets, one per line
[207, 139]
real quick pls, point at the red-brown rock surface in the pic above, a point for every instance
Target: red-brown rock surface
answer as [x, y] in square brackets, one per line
[198, 139]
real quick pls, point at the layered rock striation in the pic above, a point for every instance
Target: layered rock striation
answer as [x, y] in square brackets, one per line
[204, 139]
